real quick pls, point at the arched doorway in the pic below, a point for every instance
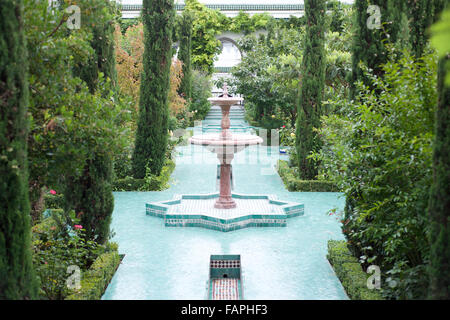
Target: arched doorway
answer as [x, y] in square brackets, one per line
[229, 56]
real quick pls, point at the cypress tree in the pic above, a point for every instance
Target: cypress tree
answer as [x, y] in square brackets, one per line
[368, 44]
[313, 84]
[421, 16]
[91, 193]
[184, 54]
[439, 203]
[439, 206]
[151, 134]
[17, 279]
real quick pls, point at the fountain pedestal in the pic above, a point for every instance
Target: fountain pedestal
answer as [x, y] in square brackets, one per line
[225, 200]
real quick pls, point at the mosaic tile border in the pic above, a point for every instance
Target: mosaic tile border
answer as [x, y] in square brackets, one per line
[160, 209]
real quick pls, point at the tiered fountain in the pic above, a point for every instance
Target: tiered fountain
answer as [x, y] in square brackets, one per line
[225, 211]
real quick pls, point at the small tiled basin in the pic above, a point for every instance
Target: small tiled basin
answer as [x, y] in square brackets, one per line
[250, 211]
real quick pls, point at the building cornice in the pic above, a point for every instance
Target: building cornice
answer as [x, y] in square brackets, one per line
[232, 7]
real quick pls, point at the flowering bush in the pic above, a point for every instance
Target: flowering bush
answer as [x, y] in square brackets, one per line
[57, 247]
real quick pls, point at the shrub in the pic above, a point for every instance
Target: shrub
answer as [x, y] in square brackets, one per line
[200, 92]
[349, 272]
[293, 183]
[57, 245]
[150, 183]
[128, 184]
[54, 201]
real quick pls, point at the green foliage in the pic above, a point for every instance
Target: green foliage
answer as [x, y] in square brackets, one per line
[17, 279]
[201, 91]
[270, 73]
[349, 272]
[91, 192]
[377, 149]
[161, 181]
[337, 15]
[293, 183]
[126, 23]
[149, 183]
[152, 128]
[96, 279]
[369, 44]
[310, 108]
[54, 201]
[69, 124]
[206, 26]
[421, 15]
[440, 41]
[59, 242]
[245, 24]
[439, 202]
[90, 195]
[184, 54]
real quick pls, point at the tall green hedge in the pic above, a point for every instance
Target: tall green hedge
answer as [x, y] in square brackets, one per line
[17, 280]
[151, 135]
[309, 109]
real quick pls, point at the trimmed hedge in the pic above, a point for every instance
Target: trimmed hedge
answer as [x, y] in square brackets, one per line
[349, 272]
[293, 183]
[96, 279]
[151, 183]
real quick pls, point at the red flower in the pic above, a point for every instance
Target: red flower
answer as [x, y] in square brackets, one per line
[78, 226]
[52, 191]
[284, 127]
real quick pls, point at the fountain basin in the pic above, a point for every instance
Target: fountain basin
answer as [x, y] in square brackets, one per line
[199, 211]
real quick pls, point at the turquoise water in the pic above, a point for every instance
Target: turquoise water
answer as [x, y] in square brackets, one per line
[173, 263]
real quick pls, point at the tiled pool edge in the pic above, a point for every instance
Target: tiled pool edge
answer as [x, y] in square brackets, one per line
[160, 209]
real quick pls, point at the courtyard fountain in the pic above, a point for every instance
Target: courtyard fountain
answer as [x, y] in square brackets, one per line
[225, 211]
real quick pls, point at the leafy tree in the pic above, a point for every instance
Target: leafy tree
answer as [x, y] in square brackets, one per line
[177, 104]
[439, 204]
[17, 280]
[313, 84]
[69, 123]
[90, 192]
[151, 134]
[184, 53]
